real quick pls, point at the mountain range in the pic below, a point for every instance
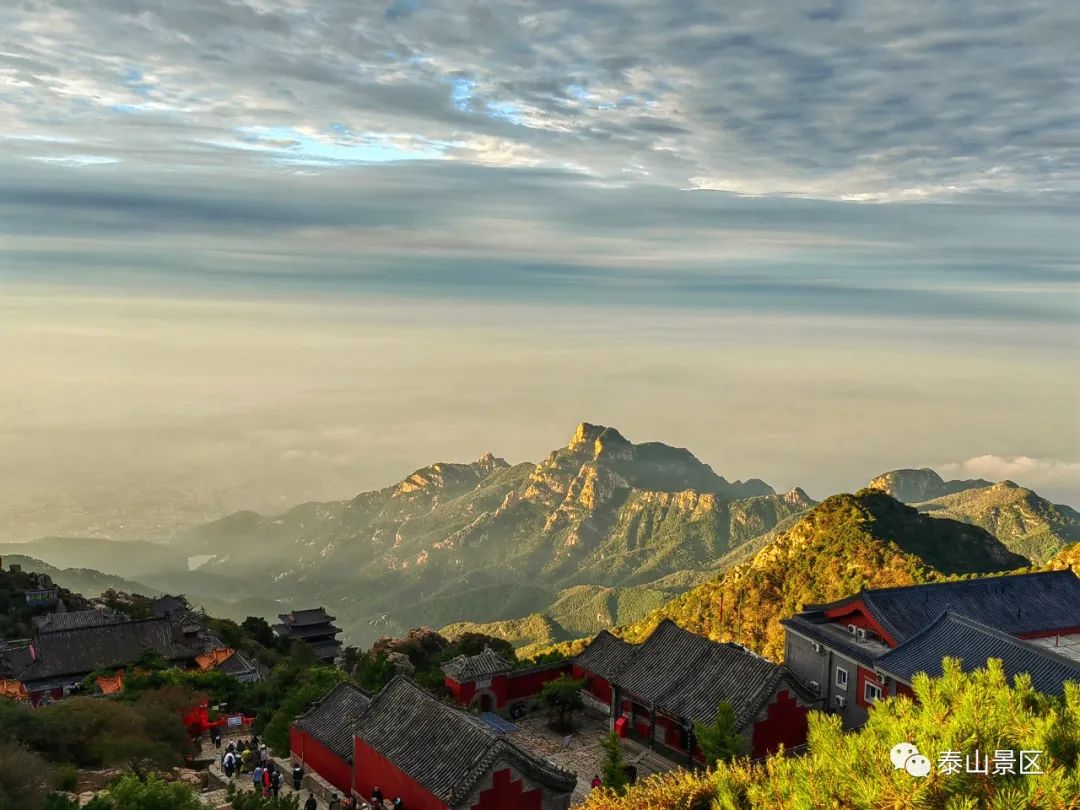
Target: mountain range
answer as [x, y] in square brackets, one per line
[1025, 522]
[599, 532]
[603, 532]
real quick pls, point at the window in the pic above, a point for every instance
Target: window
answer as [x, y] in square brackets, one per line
[841, 677]
[872, 692]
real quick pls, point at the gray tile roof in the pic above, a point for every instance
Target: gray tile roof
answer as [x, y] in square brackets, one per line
[296, 618]
[1016, 604]
[688, 676]
[817, 627]
[467, 668]
[79, 651]
[606, 655]
[444, 748]
[973, 642]
[75, 619]
[330, 721]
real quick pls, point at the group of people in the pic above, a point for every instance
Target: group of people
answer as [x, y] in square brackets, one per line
[252, 756]
[377, 802]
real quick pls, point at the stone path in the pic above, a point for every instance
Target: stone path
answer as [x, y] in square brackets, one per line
[217, 798]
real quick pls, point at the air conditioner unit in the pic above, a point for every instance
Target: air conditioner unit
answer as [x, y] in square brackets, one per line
[840, 701]
[851, 629]
[860, 634]
[815, 686]
[881, 678]
[815, 646]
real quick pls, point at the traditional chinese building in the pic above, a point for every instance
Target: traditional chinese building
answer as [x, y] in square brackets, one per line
[859, 649]
[674, 679]
[66, 647]
[487, 682]
[433, 755]
[313, 627]
[322, 737]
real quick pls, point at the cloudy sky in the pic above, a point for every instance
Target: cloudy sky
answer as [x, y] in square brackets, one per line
[270, 250]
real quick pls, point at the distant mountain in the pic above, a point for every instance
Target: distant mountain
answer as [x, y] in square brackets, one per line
[845, 543]
[486, 540]
[1021, 519]
[124, 558]
[916, 486]
[86, 581]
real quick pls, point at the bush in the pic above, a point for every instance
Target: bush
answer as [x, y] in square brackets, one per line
[132, 793]
[957, 712]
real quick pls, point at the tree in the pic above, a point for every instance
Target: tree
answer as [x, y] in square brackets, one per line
[250, 800]
[718, 740]
[958, 712]
[132, 793]
[259, 629]
[25, 778]
[613, 773]
[563, 697]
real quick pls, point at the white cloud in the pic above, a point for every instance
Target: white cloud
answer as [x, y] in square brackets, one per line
[1034, 473]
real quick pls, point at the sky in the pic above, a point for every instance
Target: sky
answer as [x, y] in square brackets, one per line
[261, 251]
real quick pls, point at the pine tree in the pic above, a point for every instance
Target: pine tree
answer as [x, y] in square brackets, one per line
[614, 770]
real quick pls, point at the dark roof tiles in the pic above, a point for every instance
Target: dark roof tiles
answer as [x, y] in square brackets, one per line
[466, 668]
[444, 748]
[974, 643]
[606, 655]
[330, 721]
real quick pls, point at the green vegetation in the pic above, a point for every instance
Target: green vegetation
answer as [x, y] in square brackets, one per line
[16, 617]
[718, 740]
[293, 686]
[613, 771]
[963, 713]
[563, 697]
[479, 543]
[1019, 518]
[132, 793]
[848, 542]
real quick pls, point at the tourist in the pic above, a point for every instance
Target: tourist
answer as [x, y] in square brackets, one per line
[245, 759]
[311, 804]
[256, 778]
[275, 782]
[596, 782]
[228, 764]
[335, 802]
[264, 755]
[297, 776]
[399, 804]
[377, 797]
[267, 783]
[215, 736]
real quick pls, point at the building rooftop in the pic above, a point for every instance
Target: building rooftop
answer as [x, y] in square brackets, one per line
[486, 664]
[955, 636]
[688, 675]
[1016, 604]
[817, 627]
[443, 748]
[297, 618]
[81, 650]
[75, 620]
[330, 721]
[606, 655]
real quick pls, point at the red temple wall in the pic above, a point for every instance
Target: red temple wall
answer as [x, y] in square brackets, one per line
[508, 794]
[372, 769]
[785, 723]
[320, 759]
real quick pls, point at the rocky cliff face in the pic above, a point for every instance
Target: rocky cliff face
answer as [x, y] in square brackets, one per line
[600, 511]
[915, 486]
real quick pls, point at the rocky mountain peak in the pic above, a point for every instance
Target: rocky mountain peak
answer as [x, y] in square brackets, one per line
[797, 496]
[916, 486]
[601, 441]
